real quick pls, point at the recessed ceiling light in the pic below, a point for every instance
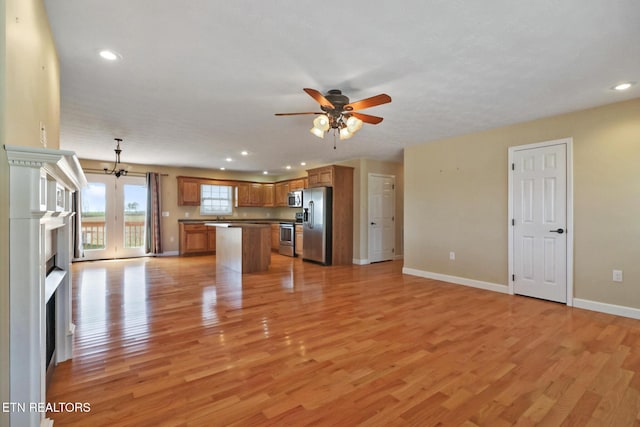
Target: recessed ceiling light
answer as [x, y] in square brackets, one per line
[244, 153]
[265, 172]
[109, 55]
[229, 159]
[623, 86]
[288, 167]
[222, 168]
[303, 163]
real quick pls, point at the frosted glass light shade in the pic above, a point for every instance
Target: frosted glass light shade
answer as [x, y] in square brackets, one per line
[345, 134]
[317, 132]
[354, 124]
[321, 122]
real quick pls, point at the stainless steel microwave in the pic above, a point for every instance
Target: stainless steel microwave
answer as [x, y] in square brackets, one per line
[294, 199]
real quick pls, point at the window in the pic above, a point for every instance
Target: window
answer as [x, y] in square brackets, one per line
[215, 200]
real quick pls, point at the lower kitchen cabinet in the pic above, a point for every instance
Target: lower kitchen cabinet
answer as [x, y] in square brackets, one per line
[197, 238]
[299, 242]
[275, 237]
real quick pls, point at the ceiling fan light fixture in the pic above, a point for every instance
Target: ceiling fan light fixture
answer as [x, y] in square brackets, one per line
[321, 122]
[317, 132]
[354, 124]
[339, 114]
[345, 134]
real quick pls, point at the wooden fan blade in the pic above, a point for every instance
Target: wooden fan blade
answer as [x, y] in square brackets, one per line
[294, 114]
[320, 99]
[374, 120]
[383, 98]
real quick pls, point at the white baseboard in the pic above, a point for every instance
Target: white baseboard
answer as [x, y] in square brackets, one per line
[366, 261]
[457, 280]
[602, 307]
[170, 253]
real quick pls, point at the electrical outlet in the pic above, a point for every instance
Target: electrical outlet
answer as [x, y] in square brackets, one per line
[452, 256]
[617, 275]
[165, 213]
[43, 135]
[186, 214]
[171, 239]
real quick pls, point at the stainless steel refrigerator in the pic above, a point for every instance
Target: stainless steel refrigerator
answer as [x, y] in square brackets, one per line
[316, 225]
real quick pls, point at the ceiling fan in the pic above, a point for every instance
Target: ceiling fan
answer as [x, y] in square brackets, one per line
[339, 114]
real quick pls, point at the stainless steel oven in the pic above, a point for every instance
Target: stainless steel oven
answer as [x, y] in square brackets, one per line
[287, 239]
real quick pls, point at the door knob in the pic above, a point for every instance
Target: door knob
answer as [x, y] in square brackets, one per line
[559, 231]
[373, 223]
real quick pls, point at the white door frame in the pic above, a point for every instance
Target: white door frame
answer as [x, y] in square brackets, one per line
[395, 213]
[568, 142]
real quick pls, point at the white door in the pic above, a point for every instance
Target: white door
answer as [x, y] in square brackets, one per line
[540, 222]
[113, 215]
[382, 202]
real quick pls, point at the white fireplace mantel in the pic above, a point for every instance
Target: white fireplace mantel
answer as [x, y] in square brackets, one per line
[41, 184]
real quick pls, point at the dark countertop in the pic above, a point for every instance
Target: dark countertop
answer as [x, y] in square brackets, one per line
[232, 219]
[235, 224]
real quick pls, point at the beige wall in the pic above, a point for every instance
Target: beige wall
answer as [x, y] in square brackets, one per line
[34, 74]
[4, 222]
[362, 169]
[29, 94]
[456, 200]
[170, 235]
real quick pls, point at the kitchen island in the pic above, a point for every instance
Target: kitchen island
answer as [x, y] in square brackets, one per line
[242, 247]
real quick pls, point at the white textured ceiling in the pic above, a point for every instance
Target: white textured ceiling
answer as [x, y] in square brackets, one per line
[200, 80]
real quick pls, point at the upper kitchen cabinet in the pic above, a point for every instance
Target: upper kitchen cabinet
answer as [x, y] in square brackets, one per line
[269, 195]
[249, 194]
[296, 184]
[321, 177]
[188, 191]
[282, 191]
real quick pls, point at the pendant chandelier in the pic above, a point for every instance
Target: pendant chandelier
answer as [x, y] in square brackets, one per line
[117, 169]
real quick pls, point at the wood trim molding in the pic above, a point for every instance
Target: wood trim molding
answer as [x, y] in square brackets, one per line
[602, 307]
[457, 280]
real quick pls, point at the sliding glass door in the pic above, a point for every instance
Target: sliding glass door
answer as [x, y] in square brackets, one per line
[113, 217]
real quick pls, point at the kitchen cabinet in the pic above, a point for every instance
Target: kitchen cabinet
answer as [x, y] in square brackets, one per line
[249, 194]
[341, 179]
[321, 177]
[296, 184]
[282, 191]
[188, 191]
[275, 237]
[244, 248]
[211, 235]
[299, 240]
[269, 195]
[197, 238]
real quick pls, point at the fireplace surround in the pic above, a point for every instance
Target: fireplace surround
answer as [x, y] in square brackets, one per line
[41, 183]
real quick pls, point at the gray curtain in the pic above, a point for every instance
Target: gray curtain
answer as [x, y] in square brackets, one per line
[76, 224]
[154, 214]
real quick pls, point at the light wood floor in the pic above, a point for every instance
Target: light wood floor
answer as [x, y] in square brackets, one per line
[173, 342]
